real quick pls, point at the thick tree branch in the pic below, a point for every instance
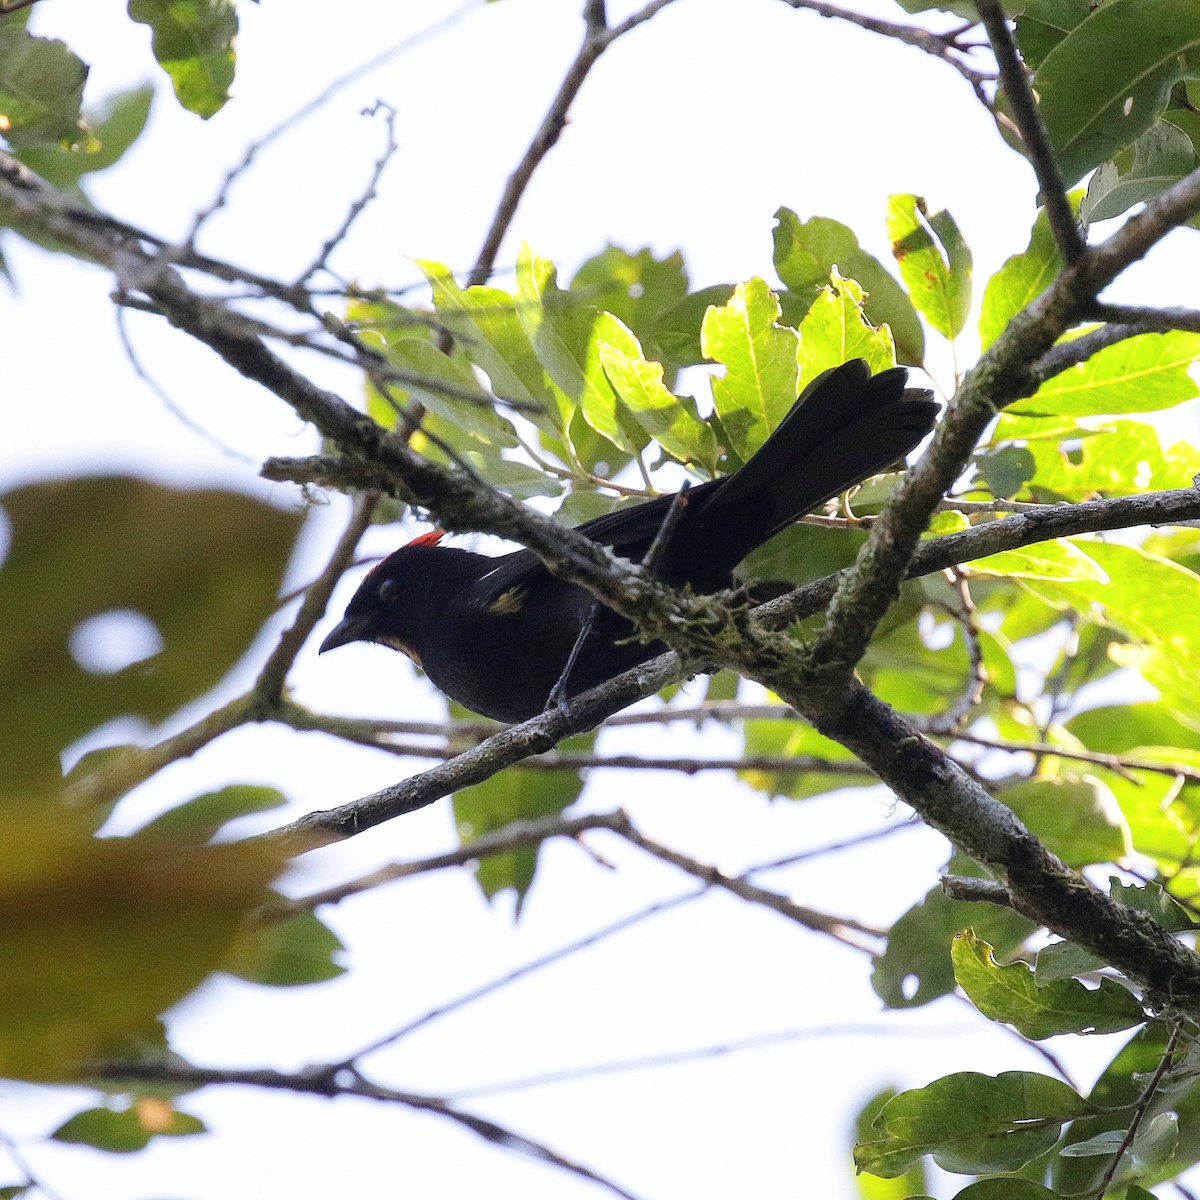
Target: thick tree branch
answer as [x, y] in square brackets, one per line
[1006, 372]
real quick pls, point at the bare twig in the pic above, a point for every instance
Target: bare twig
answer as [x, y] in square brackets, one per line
[526, 969]
[1142, 1108]
[1033, 133]
[596, 39]
[340, 1080]
[842, 929]
[368, 194]
[270, 683]
[1121, 763]
[947, 47]
[673, 1058]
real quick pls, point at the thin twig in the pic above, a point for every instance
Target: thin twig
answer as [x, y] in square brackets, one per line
[649, 1062]
[369, 193]
[271, 679]
[1143, 1107]
[526, 969]
[842, 929]
[338, 1080]
[1120, 763]
[1033, 133]
[596, 39]
[944, 46]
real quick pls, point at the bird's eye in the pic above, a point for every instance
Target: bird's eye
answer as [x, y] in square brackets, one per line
[387, 591]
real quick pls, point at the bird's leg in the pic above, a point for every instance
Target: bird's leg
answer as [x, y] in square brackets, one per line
[558, 693]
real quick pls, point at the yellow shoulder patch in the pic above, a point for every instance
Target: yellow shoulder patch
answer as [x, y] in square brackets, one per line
[508, 603]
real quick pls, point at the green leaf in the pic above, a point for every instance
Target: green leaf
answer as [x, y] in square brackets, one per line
[835, 330]
[41, 88]
[971, 1123]
[1044, 24]
[935, 262]
[1064, 960]
[797, 739]
[514, 796]
[671, 420]
[1110, 78]
[299, 950]
[127, 1130]
[675, 334]
[408, 342]
[1150, 599]
[566, 336]
[1162, 156]
[636, 288]
[193, 42]
[203, 566]
[198, 820]
[485, 321]
[98, 936]
[1022, 278]
[1061, 559]
[1155, 901]
[1006, 1188]
[1011, 995]
[1077, 819]
[1140, 374]
[759, 386]
[874, 1187]
[1126, 460]
[1005, 472]
[114, 127]
[1119, 728]
[916, 966]
[806, 253]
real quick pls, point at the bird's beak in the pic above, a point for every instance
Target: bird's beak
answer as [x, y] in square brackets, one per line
[349, 629]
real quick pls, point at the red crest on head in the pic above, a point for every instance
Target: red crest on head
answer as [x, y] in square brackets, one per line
[429, 539]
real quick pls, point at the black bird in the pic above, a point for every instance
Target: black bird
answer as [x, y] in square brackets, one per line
[495, 633]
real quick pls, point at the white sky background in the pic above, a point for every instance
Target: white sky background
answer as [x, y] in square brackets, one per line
[689, 134]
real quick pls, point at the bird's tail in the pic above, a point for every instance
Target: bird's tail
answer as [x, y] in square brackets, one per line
[846, 426]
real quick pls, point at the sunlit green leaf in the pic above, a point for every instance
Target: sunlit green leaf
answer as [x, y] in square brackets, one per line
[566, 335]
[912, 1183]
[440, 379]
[759, 386]
[1010, 994]
[1140, 374]
[671, 420]
[1022, 278]
[1126, 460]
[835, 330]
[1060, 559]
[935, 262]
[806, 253]
[193, 42]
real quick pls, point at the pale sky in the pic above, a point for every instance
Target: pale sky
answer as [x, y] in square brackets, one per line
[689, 134]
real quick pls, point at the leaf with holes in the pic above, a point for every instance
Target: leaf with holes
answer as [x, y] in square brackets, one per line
[198, 571]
